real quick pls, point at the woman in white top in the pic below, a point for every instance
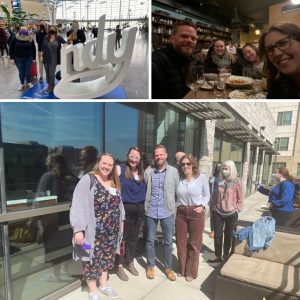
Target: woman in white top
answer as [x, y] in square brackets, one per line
[192, 198]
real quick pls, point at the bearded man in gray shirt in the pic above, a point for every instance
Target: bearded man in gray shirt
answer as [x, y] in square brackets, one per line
[162, 181]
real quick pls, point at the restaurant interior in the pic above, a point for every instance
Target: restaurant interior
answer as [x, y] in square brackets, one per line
[236, 22]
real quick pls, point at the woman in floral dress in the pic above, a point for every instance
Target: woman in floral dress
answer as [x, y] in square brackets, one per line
[97, 216]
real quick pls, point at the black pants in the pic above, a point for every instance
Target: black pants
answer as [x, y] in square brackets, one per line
[226, 225]
[3, 46]
[134, 215]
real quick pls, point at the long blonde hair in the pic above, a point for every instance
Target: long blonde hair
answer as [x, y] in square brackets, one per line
[113, 176]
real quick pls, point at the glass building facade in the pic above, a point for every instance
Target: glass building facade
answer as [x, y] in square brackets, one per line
[36, 249]
[45, 149]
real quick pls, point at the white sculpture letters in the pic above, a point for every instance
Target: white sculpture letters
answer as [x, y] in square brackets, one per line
[106, 67]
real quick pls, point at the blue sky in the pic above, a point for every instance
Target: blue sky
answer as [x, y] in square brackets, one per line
[70, 124]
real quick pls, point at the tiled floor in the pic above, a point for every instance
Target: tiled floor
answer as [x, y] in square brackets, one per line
[135, 83]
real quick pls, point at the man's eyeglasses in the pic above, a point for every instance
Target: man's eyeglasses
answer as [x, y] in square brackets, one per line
[134, 157]
[186, 164]
[282, 45]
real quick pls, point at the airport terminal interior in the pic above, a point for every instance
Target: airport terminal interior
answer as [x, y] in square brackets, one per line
[128, 13]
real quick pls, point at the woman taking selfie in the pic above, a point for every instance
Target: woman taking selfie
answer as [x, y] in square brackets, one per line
[280, 48]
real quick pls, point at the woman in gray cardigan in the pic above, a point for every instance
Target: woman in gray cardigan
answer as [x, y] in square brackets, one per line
[97, 216]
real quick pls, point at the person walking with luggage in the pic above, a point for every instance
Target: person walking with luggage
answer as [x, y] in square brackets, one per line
[51, 55]
[22, 52]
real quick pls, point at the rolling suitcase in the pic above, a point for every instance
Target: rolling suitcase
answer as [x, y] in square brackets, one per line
[33, 70]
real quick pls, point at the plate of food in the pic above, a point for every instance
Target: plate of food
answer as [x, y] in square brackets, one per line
[238, 94]
[238, 81]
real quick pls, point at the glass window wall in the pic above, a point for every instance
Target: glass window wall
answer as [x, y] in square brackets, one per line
[130, 12]
[45, 153]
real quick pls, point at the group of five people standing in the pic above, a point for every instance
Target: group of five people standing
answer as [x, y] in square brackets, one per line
[111, 202]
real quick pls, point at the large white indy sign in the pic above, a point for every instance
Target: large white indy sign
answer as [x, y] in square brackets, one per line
[104, 65]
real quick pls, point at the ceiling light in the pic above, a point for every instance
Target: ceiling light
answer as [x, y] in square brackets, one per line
[257, 31]
[296, 2]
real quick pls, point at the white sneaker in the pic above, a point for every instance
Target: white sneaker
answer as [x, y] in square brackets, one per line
[29, 85]
[21, 87]
[94, 296]
[109, 292]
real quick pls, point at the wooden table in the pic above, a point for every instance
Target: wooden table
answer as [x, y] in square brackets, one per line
[206, 94]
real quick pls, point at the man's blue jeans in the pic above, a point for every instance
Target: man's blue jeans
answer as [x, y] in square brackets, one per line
[167, 225]
[23, 64]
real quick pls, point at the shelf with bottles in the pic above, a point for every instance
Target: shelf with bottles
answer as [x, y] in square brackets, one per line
[162, 24]
[162, 19]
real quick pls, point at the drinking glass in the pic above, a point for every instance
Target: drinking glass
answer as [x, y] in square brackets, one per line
[219, 89]
[191, 79]
[224, 73]
[200, 80]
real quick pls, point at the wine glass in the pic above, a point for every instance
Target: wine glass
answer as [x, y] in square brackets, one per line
[200, 80]
[191, 79]
[224, 73]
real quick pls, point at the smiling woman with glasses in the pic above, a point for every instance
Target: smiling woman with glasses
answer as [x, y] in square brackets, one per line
[280, 49]
[192, 198]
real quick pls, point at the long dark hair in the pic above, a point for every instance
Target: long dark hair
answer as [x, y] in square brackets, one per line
[140, 166]
[285, 173]
[289, 29]
[49, 34]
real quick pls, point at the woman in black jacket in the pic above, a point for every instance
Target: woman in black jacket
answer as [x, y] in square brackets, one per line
[40, 36]
[51, 55]
[22, 52]
[221, 58]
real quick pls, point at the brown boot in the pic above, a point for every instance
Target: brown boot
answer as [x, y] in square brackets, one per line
[150, 272]
[170, 274]
[131, 268]
[121, 273]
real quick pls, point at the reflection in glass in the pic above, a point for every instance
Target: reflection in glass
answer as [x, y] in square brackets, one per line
[2, 282]
[40, 267]
[44, 131]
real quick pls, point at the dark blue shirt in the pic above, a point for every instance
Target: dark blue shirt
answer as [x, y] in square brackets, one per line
[282, 196]
[132, 190]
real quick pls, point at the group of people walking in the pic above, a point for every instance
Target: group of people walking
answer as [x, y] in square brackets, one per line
[110, 203]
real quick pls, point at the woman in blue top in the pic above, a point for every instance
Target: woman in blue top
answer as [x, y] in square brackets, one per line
[281, 197]
[133, 192]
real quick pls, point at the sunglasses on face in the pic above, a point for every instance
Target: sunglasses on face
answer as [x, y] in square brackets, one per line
[282, 45]
[186, 164]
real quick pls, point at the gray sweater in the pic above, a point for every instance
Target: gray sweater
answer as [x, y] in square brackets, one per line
[170, 186]
[82, 214]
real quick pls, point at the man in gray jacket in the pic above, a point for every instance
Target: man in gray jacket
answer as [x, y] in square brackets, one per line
[162, 181]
